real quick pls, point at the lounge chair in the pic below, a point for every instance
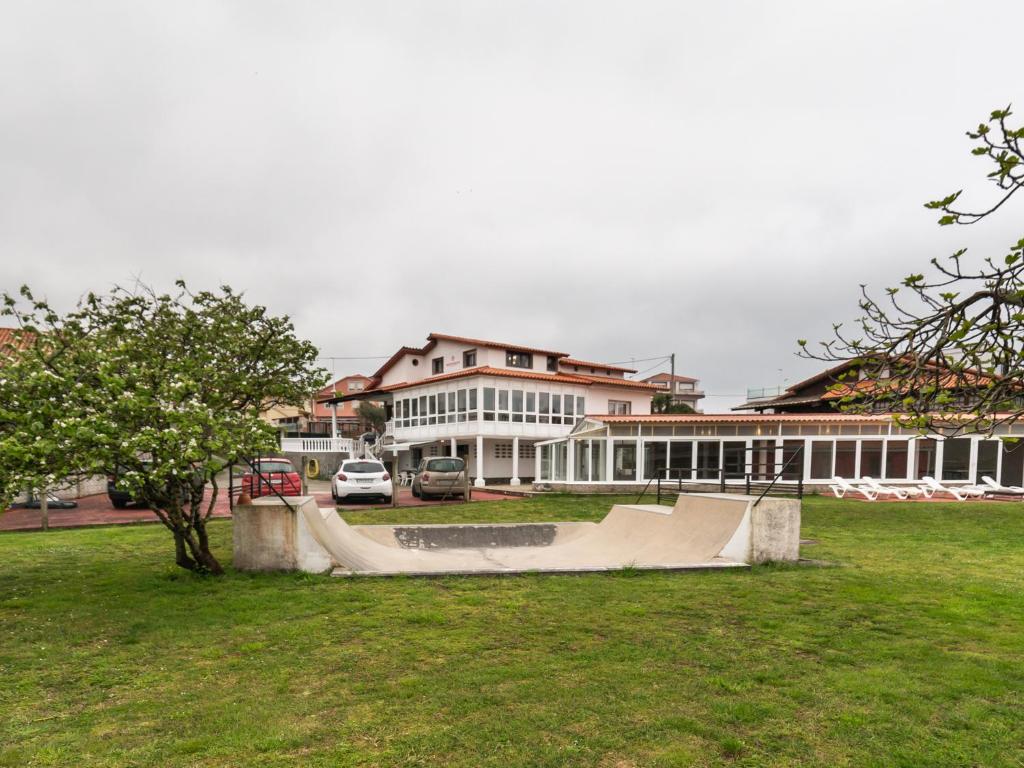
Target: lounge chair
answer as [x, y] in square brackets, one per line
[841, 487]
[991, 486]
[932, 486]
[890, 490]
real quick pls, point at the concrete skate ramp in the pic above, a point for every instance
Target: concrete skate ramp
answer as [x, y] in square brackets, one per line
[700, 531]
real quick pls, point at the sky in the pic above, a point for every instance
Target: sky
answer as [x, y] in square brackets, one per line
[617, 180]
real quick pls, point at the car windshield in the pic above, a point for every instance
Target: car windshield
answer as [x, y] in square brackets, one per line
[445, 465]
[358, 467]
[275, 466]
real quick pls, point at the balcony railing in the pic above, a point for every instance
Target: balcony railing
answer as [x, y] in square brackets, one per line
[318, 445]
[760, 393]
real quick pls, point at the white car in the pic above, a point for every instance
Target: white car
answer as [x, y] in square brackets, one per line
[361, 479]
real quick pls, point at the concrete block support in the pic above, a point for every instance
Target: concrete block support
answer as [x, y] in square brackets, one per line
[775, 531]
[270, 536]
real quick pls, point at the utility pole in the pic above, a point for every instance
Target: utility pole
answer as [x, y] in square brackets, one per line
[672, 381]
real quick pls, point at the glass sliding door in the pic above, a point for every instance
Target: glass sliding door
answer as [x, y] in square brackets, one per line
[988, 456]
[821, 459]
[896, 459]
[871, 458]
[846, 458]
[624, 460]
[956, 459]
[792, 459]
[734, 459]
[598, 460]
[925, 451]
[762, 459]
[655, 459]
[581, 450]
[709, 460]
[680, 459]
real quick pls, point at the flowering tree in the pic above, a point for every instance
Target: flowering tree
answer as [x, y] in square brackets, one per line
[946, 349]
[165, 391]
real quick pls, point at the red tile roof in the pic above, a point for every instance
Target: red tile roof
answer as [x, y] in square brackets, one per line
[588, 364]
[586, 380]
[13, 340]
[493, 344]
[732, 418]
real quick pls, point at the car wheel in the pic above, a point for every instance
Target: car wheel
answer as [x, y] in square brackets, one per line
[119, 503]
[415, 493]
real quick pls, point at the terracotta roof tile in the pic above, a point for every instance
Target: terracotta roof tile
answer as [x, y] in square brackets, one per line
[588, 364]
[736, 418]
[493, 344]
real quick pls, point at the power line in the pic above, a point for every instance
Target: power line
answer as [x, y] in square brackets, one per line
[642, 360]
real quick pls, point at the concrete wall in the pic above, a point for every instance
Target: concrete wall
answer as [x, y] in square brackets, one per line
[775, 531]
[268, 535]
[329, 462]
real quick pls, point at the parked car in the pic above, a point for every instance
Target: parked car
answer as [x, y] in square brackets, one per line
[440, 477]
[120, 498]
[275, 474]
[361, 479]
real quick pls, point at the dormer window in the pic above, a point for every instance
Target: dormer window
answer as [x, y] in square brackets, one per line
[552, 363]
[437, 365]
[469, 358]
[518, 359]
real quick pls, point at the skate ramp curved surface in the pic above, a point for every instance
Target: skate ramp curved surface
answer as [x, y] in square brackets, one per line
[699, 531]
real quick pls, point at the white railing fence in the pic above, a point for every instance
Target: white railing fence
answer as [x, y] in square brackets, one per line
[318, 445]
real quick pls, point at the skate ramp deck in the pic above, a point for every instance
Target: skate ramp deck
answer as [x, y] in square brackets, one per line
[701, 531]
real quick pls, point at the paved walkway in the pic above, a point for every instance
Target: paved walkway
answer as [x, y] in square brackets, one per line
[97, 510]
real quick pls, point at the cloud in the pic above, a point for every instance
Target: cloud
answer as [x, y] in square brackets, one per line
[612, 179]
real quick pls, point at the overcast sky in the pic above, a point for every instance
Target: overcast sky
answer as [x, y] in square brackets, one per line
[615, 180]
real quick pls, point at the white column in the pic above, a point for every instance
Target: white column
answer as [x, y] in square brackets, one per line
[972, 468]
[536, 463]
[455, 449]
[515, 462]
[334, 420]
[479, 482]
[570, 460]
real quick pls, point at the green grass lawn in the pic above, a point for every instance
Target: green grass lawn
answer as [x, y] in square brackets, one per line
[910, 653]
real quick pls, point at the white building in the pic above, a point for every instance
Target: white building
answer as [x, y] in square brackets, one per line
[490, 402]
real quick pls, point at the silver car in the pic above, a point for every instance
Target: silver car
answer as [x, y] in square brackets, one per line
[440, 477]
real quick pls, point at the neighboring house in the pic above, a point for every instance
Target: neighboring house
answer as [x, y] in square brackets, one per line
[12, 341]
[684, 389]
[491, 402]
[823, 392]
[318, 419]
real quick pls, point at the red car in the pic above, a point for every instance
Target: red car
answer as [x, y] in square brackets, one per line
[274, 475]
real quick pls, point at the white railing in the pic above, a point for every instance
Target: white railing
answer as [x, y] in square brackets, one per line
[389, 429]
[318, 445]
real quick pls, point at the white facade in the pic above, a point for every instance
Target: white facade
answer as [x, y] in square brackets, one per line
[490, 403]
[698, 448]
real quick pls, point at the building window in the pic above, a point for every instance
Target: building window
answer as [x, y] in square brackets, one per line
[624, 460]
[896, 459]
[517, 405]
[437, 365]
[925, 458]
[619, 407]
[846, 459]
[469, 358]
[655, 459]
[552, 363]
[488, 404]
[518, 359]
[355, 386]
[527, 451]
[544, 407]
[503, 450]
[821, 459]
[871, 458]
[956, 459]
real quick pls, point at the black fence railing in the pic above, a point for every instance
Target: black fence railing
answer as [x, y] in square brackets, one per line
[731, 480]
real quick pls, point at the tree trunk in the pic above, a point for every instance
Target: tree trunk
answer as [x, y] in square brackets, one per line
[44, 509]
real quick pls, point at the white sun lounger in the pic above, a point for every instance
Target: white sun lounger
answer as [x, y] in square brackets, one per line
[991, 486]
[932, 486]
[890, 490]
[841, 487]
